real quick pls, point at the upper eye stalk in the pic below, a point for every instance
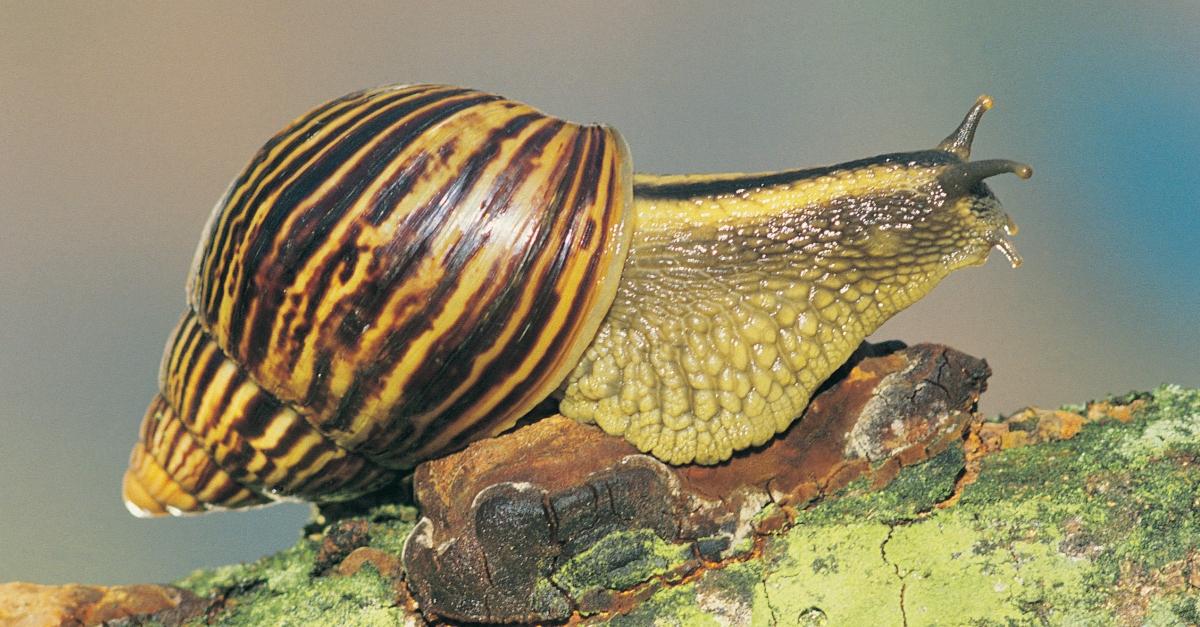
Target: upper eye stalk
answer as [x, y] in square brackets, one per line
[961, 179]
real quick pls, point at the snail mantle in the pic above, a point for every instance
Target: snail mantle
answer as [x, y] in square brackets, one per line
[521, 527]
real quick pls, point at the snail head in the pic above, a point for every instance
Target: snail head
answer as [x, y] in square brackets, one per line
[921, 214]
[971, 216]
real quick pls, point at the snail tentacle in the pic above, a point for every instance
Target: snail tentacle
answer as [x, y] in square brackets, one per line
[959, 142]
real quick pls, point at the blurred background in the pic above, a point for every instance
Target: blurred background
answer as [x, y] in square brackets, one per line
[122, 123]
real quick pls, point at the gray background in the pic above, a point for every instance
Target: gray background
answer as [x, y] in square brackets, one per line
[121, 123]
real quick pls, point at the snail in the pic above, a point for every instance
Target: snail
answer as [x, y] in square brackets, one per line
[405, 270]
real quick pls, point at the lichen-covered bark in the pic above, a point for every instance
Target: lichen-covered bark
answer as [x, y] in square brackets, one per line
[1095, 529]
[322, 580]
[1089, 515]
[1102, 528]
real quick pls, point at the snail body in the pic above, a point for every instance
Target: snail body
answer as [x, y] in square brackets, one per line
[408, 269]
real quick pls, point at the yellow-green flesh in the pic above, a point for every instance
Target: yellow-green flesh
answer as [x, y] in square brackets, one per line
[733, 307]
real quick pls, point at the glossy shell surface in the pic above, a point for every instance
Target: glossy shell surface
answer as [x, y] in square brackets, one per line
[397, 273]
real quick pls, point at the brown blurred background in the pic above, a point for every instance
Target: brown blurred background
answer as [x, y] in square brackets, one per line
[121, 123]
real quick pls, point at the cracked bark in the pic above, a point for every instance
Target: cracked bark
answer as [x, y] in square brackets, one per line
[896, 569]
[902, 405]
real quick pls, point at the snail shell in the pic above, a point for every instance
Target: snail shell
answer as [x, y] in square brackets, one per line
[404, 270]
[396, 273]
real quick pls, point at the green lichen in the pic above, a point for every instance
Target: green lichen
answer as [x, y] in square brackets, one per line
[954, 562]
[390, 524]
[289, 565]
[1176, 427]
[831, 570]
[620, 561]
[1075, 532]
[365, 599]
[910, 494]
[1174, 610]
[722, 597]
[673, 607]
[284, 589]
[1128, 488]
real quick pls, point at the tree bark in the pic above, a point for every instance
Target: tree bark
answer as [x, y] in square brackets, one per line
[891, 502]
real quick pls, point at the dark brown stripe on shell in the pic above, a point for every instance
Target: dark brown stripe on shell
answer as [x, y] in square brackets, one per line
[233, 219]
[294, 134]
[548, 296]
[474, 237]
[512, 292]
[181, 346]
[311, 228]
[456, 364]
[344, 475]
[252, 288]
[164, 437]
[394, 265]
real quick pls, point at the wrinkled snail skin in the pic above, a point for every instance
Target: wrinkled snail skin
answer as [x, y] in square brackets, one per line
[408, 269]
[743, 293]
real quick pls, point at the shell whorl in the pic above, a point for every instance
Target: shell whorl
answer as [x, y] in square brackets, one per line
[397, 273]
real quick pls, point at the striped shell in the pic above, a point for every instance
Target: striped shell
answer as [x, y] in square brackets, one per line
[397, 273]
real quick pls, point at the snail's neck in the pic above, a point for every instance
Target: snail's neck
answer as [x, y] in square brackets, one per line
[740, 295]
[721, 199]
[787, 237]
